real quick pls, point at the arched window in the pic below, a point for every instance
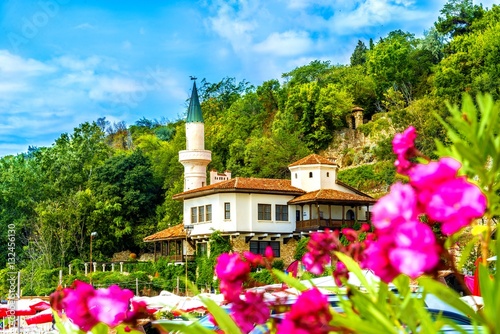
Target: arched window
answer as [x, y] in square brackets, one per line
[310, 174]
[327, 174]
[349, 215]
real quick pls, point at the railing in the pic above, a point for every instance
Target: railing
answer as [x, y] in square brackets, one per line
[333, 224]
[180, 258]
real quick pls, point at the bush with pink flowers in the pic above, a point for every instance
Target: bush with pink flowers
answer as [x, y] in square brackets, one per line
[413, 229]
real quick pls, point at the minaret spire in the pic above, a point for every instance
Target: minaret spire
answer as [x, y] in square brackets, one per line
[195, 158]
[194, 111]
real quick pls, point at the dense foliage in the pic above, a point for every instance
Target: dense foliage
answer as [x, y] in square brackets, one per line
[119, 180]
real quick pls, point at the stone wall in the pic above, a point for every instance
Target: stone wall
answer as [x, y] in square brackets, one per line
[287, 251]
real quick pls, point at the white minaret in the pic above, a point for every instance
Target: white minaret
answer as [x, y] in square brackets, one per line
[195, 158]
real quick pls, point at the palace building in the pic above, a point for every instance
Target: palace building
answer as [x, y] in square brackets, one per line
[255, 212]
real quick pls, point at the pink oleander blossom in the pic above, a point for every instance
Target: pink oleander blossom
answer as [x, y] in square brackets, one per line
[415, 249]
[403, 143]
[397, 207]
[110, 306]
[340, 273]
[409, 249]
[254, 259]
[232, 271]
[75, 303]
[403, 146]
[310, 314]
[455, 204]
[435, 172]
[319, 249]
[376, 258]
[250, 311]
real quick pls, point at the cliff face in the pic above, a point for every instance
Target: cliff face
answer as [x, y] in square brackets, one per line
[365, 156]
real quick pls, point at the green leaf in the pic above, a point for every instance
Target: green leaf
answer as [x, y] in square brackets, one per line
[289, 280]
[464, 256]
[449, 296]
[225, 322]
[100, 328]
[354, 268]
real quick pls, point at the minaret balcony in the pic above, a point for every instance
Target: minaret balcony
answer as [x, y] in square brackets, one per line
[195, 155]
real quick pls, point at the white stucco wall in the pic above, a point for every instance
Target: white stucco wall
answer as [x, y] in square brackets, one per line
[195, 136]
[244, 213]
[323, 177]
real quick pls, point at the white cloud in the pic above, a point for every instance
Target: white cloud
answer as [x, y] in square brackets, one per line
[85, 25]
[289, 43]
[303, 4]
[370, 13]
[75, 64]
[13, 64]
[235, 23]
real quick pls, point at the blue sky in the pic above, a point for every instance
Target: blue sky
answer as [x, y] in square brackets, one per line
[65, 62]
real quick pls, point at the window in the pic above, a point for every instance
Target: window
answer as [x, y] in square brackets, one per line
[264, 212]
[209, 213]
[310, 174]
[227, 210]
[281, 212]
[350, 215]
[327, 174]
[194, 215]
[201, 213]
[295, 175]
[259, 247]
[201, 248]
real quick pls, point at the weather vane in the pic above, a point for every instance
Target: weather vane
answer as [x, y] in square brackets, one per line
[193, 77]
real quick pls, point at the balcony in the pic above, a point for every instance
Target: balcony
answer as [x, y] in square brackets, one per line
[321, 224]
[180, 258]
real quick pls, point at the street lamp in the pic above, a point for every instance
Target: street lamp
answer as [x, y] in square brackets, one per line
[92, 235]
[188, 229]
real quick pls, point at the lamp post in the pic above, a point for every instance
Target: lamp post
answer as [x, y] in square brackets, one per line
[92, 235]
[188, 229]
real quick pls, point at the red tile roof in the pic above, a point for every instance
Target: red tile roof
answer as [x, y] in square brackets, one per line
[313, 159]
[276, 186]
[330, 195]
[174, 232]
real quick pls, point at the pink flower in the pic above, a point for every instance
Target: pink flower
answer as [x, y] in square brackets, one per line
[377, 258]
[415, 249]
[110, 305]
[232, 271]
[319, 249]
[76, 304]
[403, 146]
[424, 176]
[251, 311]
[455, 204]
[269, 253]
[310, 314]
[340, 272]
[404, 143]
[397, 207]
[409, 249]
[254, 259]
[446, 198]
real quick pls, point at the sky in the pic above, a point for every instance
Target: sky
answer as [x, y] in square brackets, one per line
[66, 62]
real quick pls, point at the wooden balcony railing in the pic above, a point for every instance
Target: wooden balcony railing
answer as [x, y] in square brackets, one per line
[319, 224]
[180, 258]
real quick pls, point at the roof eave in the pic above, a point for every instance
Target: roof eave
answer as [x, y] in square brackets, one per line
[236, 190]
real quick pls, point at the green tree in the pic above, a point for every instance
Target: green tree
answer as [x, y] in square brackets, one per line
[126, 196]
[314, 71]
[457, 17]
[472, 65]
[358, 57]
[388, 62]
